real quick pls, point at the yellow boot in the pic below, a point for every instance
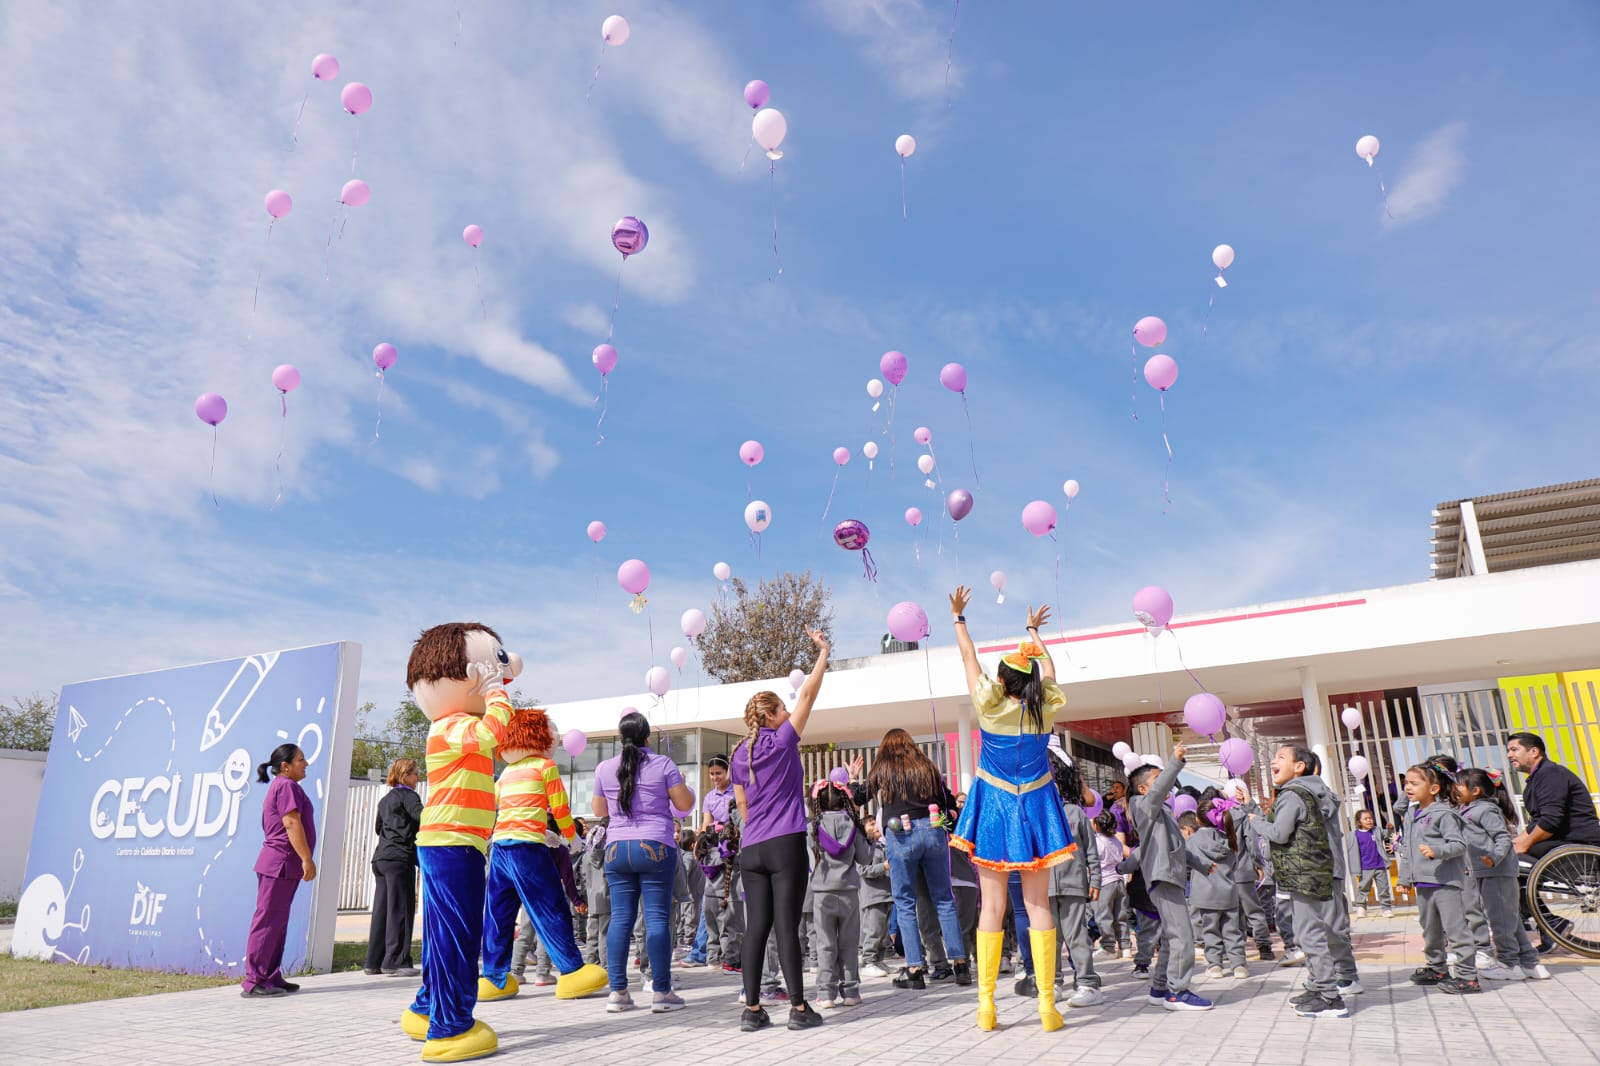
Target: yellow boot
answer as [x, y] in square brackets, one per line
[472, 1044]
[584, 981]
[1044, 972]
[989, 945]
[488, 991]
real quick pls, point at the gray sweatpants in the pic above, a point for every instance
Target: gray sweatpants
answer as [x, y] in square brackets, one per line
[1282, 912]
[1477, 919]
[875, 932]
[1374, 879]
[1253, 915]
[527, 941]
[724, 929]
[1146, 933]
[1511, 944]
[1072, 936]
[1339, 942]
[1108, 911]
[1223, 935]
[1444, 924]
[594, 947]
[837, 916]
[1174, 959]
[1314, 921]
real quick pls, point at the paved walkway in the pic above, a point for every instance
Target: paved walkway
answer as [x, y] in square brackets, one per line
[351, 1019]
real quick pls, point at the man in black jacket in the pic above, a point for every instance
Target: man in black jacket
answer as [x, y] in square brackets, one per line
[1560, 810]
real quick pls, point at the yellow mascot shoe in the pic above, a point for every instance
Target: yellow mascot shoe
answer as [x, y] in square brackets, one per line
[584, 981]
[488, 992]
[414, 1025]
[475, 1043]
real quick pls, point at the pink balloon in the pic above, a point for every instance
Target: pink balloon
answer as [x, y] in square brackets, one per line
[324, 67]
[693, 622]
[756, 94]
[893, 367]
[658, 681]
[922, 435]
[1161, 371]
[614, 31]
[841, 455]
[722, 571]
[285, 378]
[355, 193]
[1235, 755]
[574, 742]
[473, 235]
[597, 531]
[210, 408]
[1204, 713]
[1039, 518]
[751, 453]
[633, 576]
[278, 203]
[959, 504]
[384, 355]
[355, 97]
[908, 622]
[1149, 331]
[913, 516]
[954, 377]
[678, 657]
[1152, 606]
[604, 359]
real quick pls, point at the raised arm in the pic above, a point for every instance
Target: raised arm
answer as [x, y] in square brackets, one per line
[1037, 618]
[969, 654]
[811, 685]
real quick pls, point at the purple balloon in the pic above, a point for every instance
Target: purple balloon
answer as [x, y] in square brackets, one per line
[633, 576]
[908, 622]
[604, 359]
[657, 680]
[954, 377]
[629, 236]
[384, 355]
[1183, 803]
[355, 97]
[893, 367]
[839, 775]
[1235, 756]
[959, 504]
[574, 742]
[1097, 804]
[210, 408]
[1039, 518]
[756, 94]
[851, 535]
[1204, 713]
[1152, 606]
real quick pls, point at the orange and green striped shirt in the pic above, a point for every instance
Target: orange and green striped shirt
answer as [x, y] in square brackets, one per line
[529, 794]
[461, 746]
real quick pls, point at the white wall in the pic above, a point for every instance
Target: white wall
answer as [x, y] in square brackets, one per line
[21, 779]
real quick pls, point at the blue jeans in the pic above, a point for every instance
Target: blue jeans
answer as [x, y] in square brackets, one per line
[1019, 921]
[640, 871]
[697, 950]
[924, 851]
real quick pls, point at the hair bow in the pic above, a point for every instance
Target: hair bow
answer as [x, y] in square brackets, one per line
[1022, 659]
[1220, 806]
[823, 782]
[1496, 776]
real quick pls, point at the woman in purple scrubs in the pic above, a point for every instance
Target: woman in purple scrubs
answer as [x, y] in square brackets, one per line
[285, 860]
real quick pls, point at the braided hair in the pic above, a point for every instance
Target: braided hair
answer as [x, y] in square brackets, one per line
[756, 713]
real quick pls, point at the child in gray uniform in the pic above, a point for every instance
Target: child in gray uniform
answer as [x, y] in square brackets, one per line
[594, 948]
[876, 902]
[1436, 848]
[840, 846]
[1073, 884]
[1213, 895]
[1165, 863]
[1487, 816]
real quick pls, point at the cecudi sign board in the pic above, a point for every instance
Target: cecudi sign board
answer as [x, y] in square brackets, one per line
[149, 821]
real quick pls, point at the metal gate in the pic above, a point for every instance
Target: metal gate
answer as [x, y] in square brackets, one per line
[817, 763]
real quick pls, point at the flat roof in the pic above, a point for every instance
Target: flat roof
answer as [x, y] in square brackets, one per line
[1521, 529]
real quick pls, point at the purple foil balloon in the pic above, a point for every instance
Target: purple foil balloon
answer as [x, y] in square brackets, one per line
[756, 94]
[851, 535]
[630, 236]
[959, 504]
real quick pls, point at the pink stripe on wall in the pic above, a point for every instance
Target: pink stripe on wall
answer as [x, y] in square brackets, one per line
[1137, 630]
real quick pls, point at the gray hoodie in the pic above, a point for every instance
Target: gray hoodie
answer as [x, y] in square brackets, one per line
[1439, 827]
[831, 873]
[874, 873]
[1081, 871]
[1211, 891]
[1487, 836]
[1162, 856]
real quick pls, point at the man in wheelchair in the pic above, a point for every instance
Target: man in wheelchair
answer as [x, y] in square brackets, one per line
[1560, 812]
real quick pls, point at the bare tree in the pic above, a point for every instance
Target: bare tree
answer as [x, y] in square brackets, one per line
[750, 637]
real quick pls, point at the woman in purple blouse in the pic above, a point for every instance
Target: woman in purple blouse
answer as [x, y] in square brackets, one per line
[639, 791]
[769, 786]
[290, 835]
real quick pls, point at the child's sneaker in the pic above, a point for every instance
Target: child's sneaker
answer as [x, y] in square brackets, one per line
[1005, 964]
[1352, 987]
[1501, 973]
[852, 1000]
[543, 980]
[1293, 957]
[1241, 972]
[665, 1002]
[1186, 1000]
[1361, 911]
[1536, 973]
[775, 995]
[1457, 986]
[873, 969]
[1157, 997]
[1483, 960]
[827, 1004]
[1141, 971]
[1214, 972]
[1323, 1007]
[1122, 952]
[1266, 952]
[1427, 975]
[752, 1020]
[729, 967]
[1388, 912]
[1087, 996]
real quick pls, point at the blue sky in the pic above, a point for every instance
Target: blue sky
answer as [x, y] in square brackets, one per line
[1357, 370]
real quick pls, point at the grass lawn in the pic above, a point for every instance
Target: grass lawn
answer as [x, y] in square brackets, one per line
[352, 955]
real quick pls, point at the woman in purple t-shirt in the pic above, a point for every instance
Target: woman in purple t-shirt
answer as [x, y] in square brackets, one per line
[769, 786]
[638, 792]
[285, 860]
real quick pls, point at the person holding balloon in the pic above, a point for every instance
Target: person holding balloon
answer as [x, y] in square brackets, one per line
[1013, 819]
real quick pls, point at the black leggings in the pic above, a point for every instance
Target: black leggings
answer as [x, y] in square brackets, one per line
[774, 875]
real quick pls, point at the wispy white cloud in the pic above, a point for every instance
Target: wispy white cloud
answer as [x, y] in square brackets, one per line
[1430, 175]
[908, 41]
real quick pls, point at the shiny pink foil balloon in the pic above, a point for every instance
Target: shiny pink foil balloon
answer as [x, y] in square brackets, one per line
[629, 236]
[851, 535]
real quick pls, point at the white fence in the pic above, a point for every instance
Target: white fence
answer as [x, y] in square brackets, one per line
[360, 841]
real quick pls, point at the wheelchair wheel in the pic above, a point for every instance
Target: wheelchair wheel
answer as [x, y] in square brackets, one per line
[1564, 894]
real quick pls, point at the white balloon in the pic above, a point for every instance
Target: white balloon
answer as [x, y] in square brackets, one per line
[1121, 750]
[998, 579]
[870, 449]
[757, 515]
[874, 388]
[1367, 148]
[693, 622]
[1070, 488]
[1222, 256]
[614, 30]
[906, 145]
[657, 680]
[679, 657]
[1351, 717]
[1359, 767]
[1235, 786]
[722, 571]
[796, 678]
[925, 463]
[770, 128]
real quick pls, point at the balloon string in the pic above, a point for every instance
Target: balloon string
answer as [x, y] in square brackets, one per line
[378, 426]
[214, 502]
[458, 25]
[604, 399]
[1384, 191]
[894, 391]
[772, 172]
[1155, 668]
[1060, 614]
[277, 464]
[870, 569]
[295, 137]
[831, 491]
[477, 281]
[596, 77]
[254, 295]
[1205, 322]
[903, 214]
[1166, 483]
[616, 302]
[746, 158]
[972, 447]
[950, 51]
[650, 628]
[1133, 390]
[1178, 644]
[927, 666]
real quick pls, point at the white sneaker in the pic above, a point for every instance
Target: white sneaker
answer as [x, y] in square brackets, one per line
[1483, 960]
[1354, 988]
[1536, 973]
[1122, 953]
[1087, 996]
[1497, 972]
[1361, 912]
[1214, 972]
[1241, 972]
[1005, 965]
[872, 969]
[1292, 958]
[826, 1004]
[1388, 912]
[666, 1002]
[618, 1002]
